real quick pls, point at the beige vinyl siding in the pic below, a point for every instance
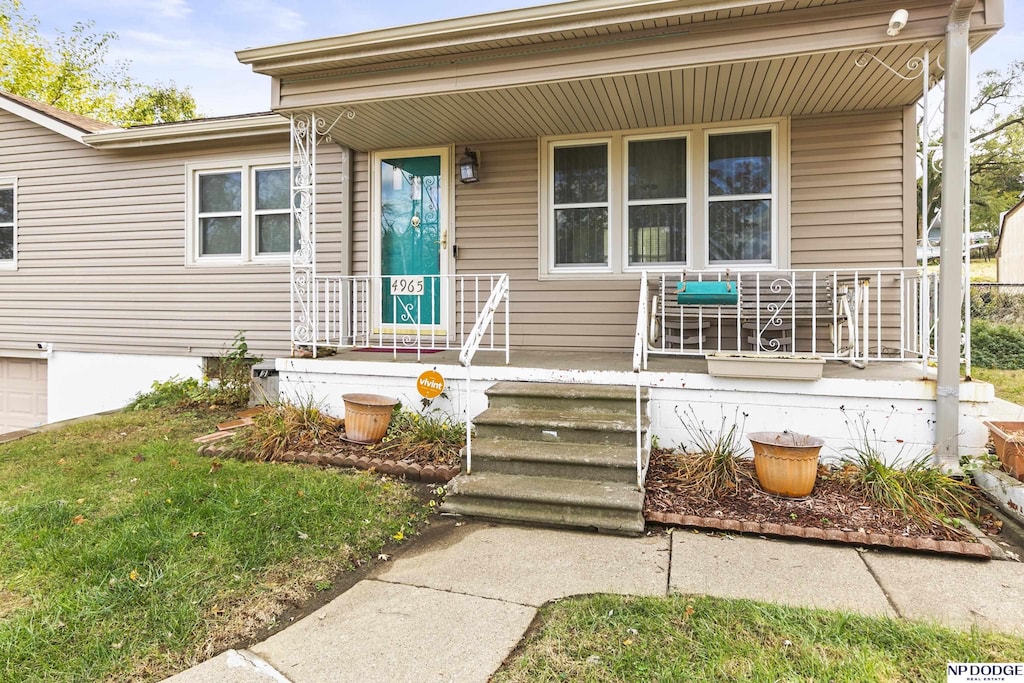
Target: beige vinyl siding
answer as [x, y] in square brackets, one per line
[848, 190]
[101, 260]
[847, 187]
[853, 204]
[360, 213]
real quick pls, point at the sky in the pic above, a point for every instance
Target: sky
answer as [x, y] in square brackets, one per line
[193, 42]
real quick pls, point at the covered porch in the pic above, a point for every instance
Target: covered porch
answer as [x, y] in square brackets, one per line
[543, 189]
[615, 150]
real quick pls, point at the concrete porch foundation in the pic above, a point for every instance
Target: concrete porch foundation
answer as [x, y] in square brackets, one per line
[892, 402]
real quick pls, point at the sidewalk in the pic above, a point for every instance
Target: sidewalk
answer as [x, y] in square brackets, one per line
[452, 610]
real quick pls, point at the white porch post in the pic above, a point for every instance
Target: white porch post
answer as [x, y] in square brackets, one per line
[954, 204]
[304, 315]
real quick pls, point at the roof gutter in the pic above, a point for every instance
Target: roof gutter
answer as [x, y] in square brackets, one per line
[200, 130]
[954, 212]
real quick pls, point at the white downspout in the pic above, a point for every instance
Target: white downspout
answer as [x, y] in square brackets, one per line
[954, 203]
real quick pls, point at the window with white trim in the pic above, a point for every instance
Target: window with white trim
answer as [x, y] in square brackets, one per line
[580, 202]
[700, 197]
[240, 213]
[656, 200]
[740, 197]
[8, 225]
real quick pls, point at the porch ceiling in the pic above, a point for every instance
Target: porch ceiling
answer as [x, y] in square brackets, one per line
[790, 86]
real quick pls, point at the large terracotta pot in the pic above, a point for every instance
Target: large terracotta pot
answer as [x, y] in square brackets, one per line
[786, 462]
[367, 416]
[1008, 438]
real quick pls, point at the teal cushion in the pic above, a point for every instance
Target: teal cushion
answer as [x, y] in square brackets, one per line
[707, 293]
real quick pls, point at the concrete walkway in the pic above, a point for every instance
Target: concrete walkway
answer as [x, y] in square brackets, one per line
[453, 609]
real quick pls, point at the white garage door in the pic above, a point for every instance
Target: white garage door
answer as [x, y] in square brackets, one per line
[22, 393]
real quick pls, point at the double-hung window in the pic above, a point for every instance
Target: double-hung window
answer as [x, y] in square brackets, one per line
[689, 198]
[580, 204]
[240, 213]
[8, 226]
[656, 204]
[740, 197]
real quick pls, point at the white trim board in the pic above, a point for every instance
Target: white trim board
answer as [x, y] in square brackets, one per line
[41, 119]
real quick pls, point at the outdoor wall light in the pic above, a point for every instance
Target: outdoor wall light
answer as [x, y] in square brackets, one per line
[469, 167]
[897, 21]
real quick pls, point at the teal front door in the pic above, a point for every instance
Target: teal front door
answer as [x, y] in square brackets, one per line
[412, 234]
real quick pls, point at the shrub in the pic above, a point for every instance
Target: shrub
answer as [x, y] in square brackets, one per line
[173, 393]
[433, 437]
[711, 467]
[233, 371]
[993, 305]
[287, 427]
[919, 491]
[229, 388]
[997, 346]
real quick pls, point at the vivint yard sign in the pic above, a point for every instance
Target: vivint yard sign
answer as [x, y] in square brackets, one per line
[430, 384]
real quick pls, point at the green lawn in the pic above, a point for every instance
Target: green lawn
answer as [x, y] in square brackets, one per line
[983, 270]
[124, 555]
[693, 639]
[1009, 384]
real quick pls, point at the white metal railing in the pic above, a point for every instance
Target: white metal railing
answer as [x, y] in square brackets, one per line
[922, 297]
[640, 350]
[405, 313]
[484, 322]
[855, 315]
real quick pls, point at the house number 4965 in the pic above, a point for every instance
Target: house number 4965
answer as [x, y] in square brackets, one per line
[411, 286]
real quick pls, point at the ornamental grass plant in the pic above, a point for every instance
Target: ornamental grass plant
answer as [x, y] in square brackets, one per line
[708, 464]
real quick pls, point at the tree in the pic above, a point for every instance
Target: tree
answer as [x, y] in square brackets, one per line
[996, 148]
[160, 104]
[73, 73]
[997, 145]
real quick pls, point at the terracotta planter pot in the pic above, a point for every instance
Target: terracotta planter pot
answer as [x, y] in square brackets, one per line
[786, 462]
[367, 416]
[1008, 438]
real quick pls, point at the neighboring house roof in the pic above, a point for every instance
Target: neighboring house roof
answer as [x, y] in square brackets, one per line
[59, 121]
[100, 134]
[1002, 225]
[195, 130]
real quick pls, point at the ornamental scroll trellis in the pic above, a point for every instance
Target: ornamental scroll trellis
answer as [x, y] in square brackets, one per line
[915, 68]
[307, 131]
[930, 160]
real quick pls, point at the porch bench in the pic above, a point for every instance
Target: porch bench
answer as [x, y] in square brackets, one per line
[770, 306]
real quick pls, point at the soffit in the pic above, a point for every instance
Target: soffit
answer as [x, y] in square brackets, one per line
[792, 86]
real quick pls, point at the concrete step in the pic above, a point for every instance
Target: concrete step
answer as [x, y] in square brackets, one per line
[595, 462]
[573, 425]
[549, 395]
[604, 506]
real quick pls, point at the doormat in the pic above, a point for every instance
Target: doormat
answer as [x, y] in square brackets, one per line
[388, 349]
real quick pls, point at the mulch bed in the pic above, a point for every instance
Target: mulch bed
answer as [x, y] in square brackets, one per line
[412, 464]
[833, 512]
[358, 456]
